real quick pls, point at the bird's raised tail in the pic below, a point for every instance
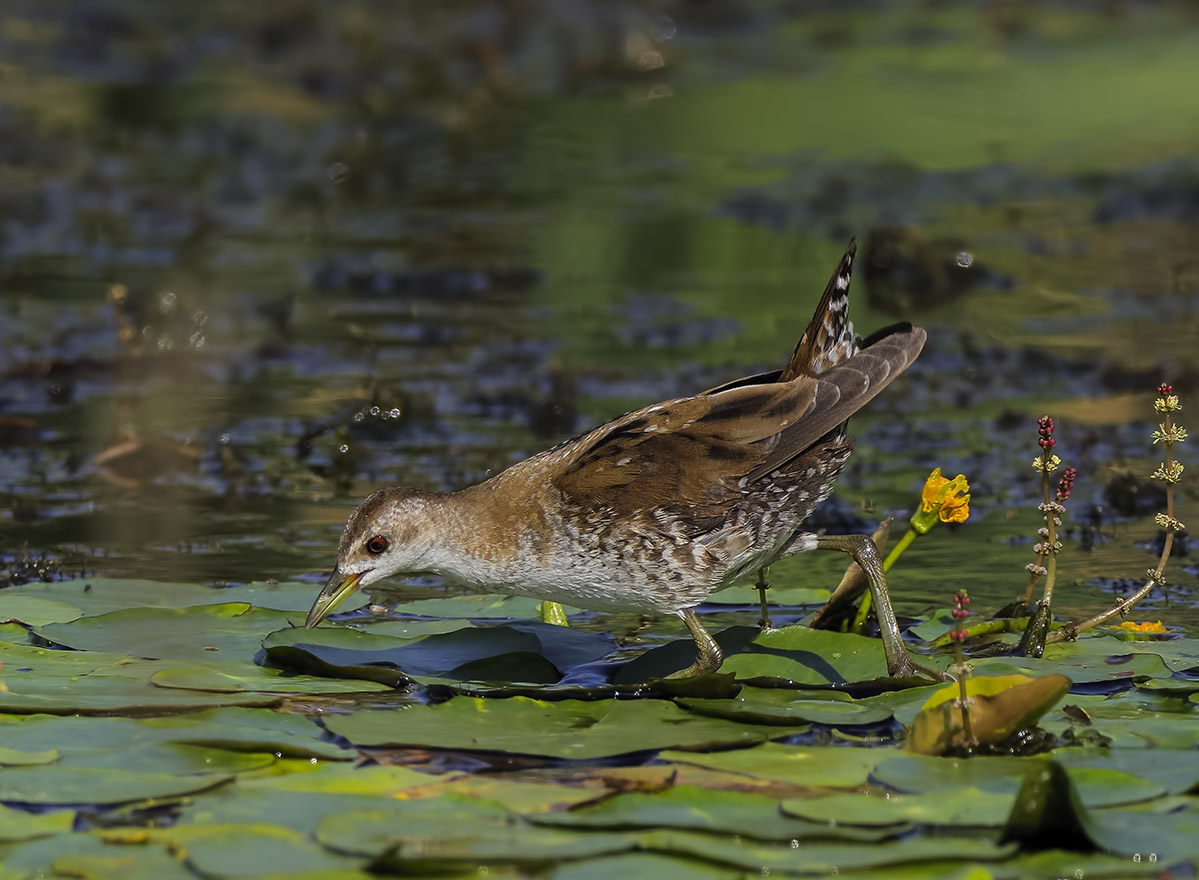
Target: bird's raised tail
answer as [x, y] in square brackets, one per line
[829, 338]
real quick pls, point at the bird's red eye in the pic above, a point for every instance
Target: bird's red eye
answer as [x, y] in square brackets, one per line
[376, 545]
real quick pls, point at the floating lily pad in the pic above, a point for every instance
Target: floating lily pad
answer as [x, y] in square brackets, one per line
[1096, 786]
[700, 809]
[232, 629]
[528, 651]
[407, 835]
[566, 729]
[525, 797]
[965, 806]
[1176, 770]
[251, 850]
[95, 596]
[332, 779]
[820, 858]
[98, 785]
[88, 682]
[233, 730]
[90, 855]
[778, 706]
[23, 825]
[233, 683]
[10, 757]
[647, 865]
[815, 766]
[810, 656]
[34, 610]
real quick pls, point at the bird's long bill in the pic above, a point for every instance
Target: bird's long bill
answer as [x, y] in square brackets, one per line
[339, 586]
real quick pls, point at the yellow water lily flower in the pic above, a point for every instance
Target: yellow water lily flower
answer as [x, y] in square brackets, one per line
[1146, 627]
[942, 500]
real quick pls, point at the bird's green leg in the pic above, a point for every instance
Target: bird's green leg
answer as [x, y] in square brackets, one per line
[709, 658]
[764, 622]
[861, 548]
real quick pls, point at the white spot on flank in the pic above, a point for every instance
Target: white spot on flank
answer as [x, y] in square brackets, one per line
[623, 461]
[842, 282]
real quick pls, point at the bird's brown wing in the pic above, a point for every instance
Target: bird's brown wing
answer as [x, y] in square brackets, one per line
[688, 450]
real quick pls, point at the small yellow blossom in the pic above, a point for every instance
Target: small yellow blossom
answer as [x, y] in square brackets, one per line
[1169, 472]
[1146, 627]
[1167, 433]
[942, 500]
[1040, 464]
[1167, 403]
[1168, 522]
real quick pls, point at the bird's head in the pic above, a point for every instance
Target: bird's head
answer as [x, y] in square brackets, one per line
[388, 533]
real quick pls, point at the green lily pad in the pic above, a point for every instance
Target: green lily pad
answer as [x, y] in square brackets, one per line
[530, 651]
[778, 706]
[815, 766]
[91, 682]
[98, 785]
[92, 741]
[524, 797]
[334, 779]
[1096, 786]
[407, 835]
[566, 729]
[234, 683]
[965, 806]
[251, 850]
[820, 858]
[701, 809]
[1132, 719]
[95, 596]
[232, 629]
[22, 825]
[647, 865]
[809, 656]
[90, 855]
[1176, 770]
[10, 757]
[34, 610]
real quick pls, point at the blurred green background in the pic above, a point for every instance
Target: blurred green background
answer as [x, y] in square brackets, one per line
[257, 259]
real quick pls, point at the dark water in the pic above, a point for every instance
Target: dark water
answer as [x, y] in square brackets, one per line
[256, 260]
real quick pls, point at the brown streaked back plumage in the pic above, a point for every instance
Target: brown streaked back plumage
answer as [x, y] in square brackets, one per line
[746, 429]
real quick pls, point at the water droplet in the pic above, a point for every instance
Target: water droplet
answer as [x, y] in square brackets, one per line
[166, 302]
[343, 448]
[965, 259]
[337, 172]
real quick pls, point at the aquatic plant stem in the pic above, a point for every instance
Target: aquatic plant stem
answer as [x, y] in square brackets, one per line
[1169, 472]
